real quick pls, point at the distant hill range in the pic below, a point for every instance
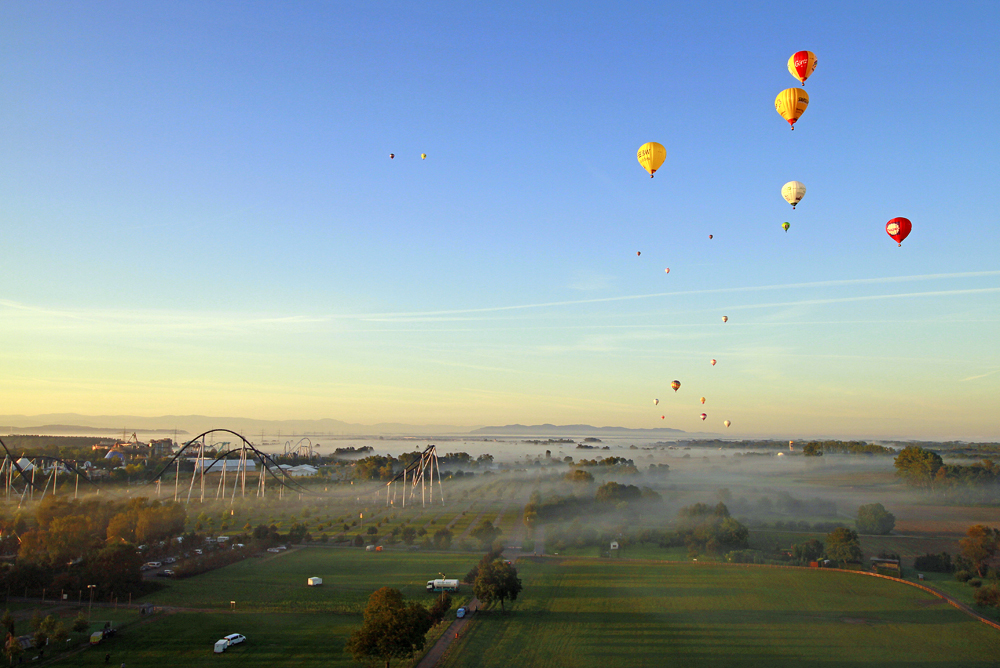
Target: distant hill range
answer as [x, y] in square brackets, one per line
[191, 425]
[575, 430]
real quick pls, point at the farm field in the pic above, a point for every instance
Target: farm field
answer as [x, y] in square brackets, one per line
[278, 583]
[586, 613]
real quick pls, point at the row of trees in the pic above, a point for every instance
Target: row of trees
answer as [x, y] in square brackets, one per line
[924, 468]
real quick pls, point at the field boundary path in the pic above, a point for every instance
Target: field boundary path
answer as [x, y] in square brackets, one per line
[435, 653]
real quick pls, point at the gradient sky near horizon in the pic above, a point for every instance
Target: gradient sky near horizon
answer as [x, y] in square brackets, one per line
[198, 214]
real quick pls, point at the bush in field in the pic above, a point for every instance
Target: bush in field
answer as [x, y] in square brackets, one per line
[934, 563]
[875, 519]
[842, 545]
[442, 539]
[359, 541]
[975, 582]
[811, 550]
[963, 576]
[987, 597]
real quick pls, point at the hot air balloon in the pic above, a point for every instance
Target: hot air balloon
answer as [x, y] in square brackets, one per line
[801, 65]
[713, 362]
[663, 417]
[656, 402]
[898, 229]
[704, 415]
[638, 253]
[676, 385]
[703, 400]
[651, 155]
[791, 103]
[793, 192]
[667, 270]
[725, 318]
[392, 155]
[785, 226]
[709, 236]
[423, 156]
[727, 423]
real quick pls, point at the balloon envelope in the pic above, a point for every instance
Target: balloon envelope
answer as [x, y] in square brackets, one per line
[793, 192]
[802, 64]
[713, 362]
[423, 156]
[704, 415]
[676, 385]
[668, 270]
[725, 318]
[703, 400]
[656, 402]
[898, 229]
[785, 226]
[791, 103]
[709, 236]
[392, 155]
[727, 423]
[651, 155]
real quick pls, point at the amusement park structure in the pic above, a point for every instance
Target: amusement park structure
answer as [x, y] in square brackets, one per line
[420, 471]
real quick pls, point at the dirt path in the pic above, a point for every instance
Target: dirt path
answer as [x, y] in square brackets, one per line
[444, 642]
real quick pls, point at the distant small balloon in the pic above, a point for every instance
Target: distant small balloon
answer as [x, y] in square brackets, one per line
[725, 318]
[638, 253]
[392, 155]
[713, 362]
[676, 385]
[704, 415]
[727, 423]
[668, 270]
[785, 226]
[663, 417]
[709, 236]
[423, 156]
[656, 402]
[703, 400]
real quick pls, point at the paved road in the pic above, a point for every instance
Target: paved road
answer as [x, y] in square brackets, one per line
[444, 642]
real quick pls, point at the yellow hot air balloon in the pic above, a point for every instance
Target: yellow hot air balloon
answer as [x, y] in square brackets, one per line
[725, 318]
[785, 226]
[676, 385]
[802, 64]
[703, 400]
[793, 192]
[423, 156]
[791, 103]
[651, 155]
[727, 423]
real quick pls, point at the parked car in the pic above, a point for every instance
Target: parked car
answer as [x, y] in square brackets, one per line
[169, 560]
[168, 573]
[460, 613]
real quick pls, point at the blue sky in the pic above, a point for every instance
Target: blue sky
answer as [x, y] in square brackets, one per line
[199, 214]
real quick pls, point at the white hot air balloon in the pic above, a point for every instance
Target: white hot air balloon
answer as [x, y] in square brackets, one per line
[656, 402]
[793, 192]
[727, 423]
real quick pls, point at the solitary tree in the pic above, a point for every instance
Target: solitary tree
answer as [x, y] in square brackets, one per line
[842, 545]
[392, 629]
[917, 466]
[874, 518]
[486, 533]
[496, 581]
[979, 546]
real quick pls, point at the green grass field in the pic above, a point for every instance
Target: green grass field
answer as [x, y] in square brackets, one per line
[278, 583]
[585, 613]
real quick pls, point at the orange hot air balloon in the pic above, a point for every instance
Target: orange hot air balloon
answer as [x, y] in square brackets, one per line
[638, 253]
[713, 362]
[703, 400]
[727, 423]
[801, 65]
[704, 415]
[668, 270]
[676, 385]
[709, 236]
[898, 229]
[791, 103]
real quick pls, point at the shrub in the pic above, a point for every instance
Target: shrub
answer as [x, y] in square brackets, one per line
[934, 563]
[963, 576]
[987, 597]
[975, 582]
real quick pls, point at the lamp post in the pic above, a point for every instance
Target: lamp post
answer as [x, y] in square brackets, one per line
[90, 608]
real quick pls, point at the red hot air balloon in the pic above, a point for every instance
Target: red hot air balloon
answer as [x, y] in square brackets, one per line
[392, 155]
[703, 416]
[663, 417]
[638, 253]
[709, 236]
[898, 229]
